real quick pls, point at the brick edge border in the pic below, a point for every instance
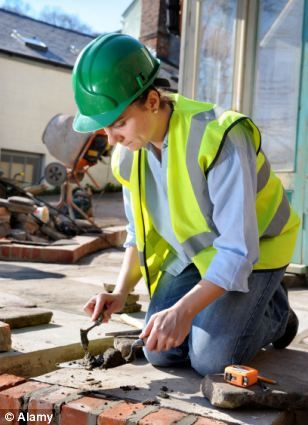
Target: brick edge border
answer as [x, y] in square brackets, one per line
[27, 397]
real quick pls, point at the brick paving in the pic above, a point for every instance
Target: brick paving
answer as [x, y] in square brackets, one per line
[40, 403]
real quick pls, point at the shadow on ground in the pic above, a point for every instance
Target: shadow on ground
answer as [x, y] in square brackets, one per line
[11, 271]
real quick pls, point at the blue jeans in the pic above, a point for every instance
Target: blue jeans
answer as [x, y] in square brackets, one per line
[231, 330]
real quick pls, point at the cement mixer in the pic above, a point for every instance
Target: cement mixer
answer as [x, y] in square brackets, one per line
[77, 152]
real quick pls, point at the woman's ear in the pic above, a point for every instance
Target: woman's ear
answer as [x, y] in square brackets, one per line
[153, 101]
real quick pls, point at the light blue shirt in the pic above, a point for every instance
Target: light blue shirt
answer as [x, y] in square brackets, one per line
[232, 186]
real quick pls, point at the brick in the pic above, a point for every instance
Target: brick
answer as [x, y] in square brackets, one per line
[5, 337]
[45, 403]
[8, 381]
[12, 399]
[153, 26]
[16, 252]
[4, 252]
[81, 411]
[162, 417]
[118, 414]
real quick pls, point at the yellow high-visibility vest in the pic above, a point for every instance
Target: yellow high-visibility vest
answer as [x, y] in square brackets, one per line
[197, 133]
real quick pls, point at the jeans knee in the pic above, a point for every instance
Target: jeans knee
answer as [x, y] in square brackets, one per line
[209, 364]
[173, 357]
[156, 359]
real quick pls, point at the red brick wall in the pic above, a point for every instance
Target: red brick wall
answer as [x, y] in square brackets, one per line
[153, 31]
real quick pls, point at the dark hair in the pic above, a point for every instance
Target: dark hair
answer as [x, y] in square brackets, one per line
[162, 87]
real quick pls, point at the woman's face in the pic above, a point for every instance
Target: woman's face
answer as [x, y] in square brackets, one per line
[137, 125]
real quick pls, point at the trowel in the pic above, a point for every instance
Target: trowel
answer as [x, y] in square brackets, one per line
[75, 364]
[88, 359]
[84, 332]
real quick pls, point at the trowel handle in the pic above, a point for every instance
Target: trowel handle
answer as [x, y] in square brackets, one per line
[100, 318]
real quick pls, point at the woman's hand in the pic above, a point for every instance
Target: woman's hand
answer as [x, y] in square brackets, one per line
[166, 329]
[169, 328]
[110, 303]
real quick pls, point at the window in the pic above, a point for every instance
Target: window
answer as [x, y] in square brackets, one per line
[246, 55]
[24, 166]
[277, 80]
[216, 54]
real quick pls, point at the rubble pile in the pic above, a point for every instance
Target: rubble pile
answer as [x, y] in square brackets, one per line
[26, 219]
[21, 219]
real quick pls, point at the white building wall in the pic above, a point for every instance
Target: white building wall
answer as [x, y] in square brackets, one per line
[131, 19]
[31, 94]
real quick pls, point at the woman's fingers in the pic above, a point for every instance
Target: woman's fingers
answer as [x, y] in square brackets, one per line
[89, 306]
[106, 303]
[100, 307]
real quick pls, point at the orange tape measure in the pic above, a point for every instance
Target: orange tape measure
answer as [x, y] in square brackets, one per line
[244, 376]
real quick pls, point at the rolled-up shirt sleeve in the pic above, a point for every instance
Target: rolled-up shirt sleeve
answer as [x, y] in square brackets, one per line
[130, 228]
[232, 190]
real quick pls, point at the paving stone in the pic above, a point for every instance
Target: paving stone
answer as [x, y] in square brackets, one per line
[284, 366]
[5, 337]
[20, 317]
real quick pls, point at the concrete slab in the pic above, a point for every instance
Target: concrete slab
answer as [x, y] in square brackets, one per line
[146, 382]
[38, 350]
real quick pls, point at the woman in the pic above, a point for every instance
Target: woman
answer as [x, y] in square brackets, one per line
[210, 228]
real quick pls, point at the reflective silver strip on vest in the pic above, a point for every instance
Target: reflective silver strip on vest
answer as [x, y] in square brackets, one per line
[141, 258]
[197, 243]
[279, 220]
[197, 177]
[126, 162]
[263, 175]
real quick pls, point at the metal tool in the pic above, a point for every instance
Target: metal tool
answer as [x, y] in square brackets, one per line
[136, 344]
[84, 332]
[133, 332]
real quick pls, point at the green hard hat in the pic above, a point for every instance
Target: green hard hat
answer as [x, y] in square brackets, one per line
[110, 72]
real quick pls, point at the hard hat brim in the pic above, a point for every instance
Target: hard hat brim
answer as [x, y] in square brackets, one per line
[86, 124]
